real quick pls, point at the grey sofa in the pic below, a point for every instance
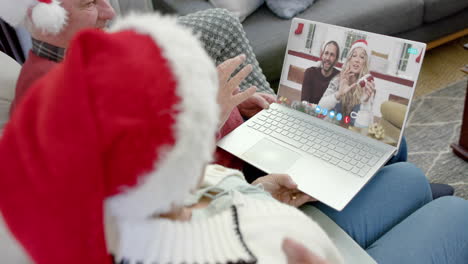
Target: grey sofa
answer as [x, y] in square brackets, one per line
[420, 20]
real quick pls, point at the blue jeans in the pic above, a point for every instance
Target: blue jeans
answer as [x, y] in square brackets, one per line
[402, 154]
[436, 233]
[396, 221]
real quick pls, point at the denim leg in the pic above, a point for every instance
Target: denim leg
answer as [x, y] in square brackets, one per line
[437, 233]
[402, 154]
[392, 195]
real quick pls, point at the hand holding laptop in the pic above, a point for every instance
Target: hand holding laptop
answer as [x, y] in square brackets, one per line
[283, 188]
[255, 104]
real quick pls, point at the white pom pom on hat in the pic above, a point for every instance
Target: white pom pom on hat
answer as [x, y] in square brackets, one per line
[50, 16]
[47, 15]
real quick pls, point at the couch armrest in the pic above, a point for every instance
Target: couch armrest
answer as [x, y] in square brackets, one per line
[181, 7]
[123, 7]
[394, 113]
[8, 76]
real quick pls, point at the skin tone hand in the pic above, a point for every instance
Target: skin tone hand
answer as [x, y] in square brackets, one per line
[229, 95]
[298, 254]
[345, 78]
[369, 91]
[177, 213]
[283, 189]
[255, 104]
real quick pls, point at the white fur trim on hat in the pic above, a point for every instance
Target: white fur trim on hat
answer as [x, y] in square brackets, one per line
[178, 171]
[50, 18]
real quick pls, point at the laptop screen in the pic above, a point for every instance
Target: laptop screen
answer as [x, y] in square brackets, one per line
[358, 80]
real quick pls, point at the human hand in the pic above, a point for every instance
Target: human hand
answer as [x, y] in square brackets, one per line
[344, 88]
[229, 95]
[284, 189]
[255, 104]
[369, 91]
[298, 254]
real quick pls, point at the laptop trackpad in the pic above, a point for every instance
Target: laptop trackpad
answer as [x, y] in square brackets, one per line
[270, 157]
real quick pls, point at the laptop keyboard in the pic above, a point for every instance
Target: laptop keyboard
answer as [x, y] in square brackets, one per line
[323, 143]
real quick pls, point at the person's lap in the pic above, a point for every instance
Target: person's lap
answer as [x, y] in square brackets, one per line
[436, 233]
[393, 194]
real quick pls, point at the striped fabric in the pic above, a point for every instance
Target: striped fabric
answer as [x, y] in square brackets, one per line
[216, 240]
[48, 51]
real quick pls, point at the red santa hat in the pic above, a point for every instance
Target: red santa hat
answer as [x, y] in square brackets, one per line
[126, 122]
[46, 15]
[360, 43]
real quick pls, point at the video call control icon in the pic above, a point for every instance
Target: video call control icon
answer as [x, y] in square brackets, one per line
[318, 109]
[347, 119]
[339, 116]
[332, 114]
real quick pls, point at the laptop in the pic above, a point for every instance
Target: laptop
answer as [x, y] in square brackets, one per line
[343, 101]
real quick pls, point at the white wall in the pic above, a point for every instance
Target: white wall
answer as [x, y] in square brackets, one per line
[384, 89]
[299, 62]
[298, 42]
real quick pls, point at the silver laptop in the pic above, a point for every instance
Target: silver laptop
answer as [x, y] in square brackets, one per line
[342, 104]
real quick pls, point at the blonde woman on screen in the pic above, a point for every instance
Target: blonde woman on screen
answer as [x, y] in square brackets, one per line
[353, 89]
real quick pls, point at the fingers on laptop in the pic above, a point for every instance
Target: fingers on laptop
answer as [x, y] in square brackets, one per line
[240, 97]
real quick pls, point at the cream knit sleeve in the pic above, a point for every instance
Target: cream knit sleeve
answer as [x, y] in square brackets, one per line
[214, 174]
[328, 99]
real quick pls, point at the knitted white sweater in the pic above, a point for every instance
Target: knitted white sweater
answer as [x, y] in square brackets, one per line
[249, 230]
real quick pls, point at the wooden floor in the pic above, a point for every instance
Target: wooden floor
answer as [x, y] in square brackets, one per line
[441, 66]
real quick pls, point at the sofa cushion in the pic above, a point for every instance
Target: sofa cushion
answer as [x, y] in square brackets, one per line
[440, 28]
[437, 9]
[181, 7]
[268, 34]
[124, 7]
[240, 8]
[8, 76]
[288, 9]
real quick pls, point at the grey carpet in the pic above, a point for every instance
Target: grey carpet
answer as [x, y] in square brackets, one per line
[433, 124]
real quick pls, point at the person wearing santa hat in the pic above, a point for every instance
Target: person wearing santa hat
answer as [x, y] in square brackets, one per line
[138, 154]
[53, 23]
[135, 146]
[316, 79]
[349, 219]
[344, 93]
